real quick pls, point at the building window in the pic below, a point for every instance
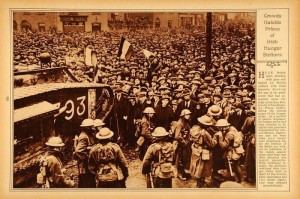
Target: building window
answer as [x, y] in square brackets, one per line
[170, 23]
[42, 27]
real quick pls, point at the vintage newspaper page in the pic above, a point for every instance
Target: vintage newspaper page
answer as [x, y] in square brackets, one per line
[156, 99]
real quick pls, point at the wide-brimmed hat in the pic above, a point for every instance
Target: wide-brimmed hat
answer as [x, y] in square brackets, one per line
[104, 133]
[87, 122]
[206, 120]
[214, 110]
[160, 132]
[222, 123]
[98, 122]
[226, 94]
[238, 105]
[185, 112]
[55, 142]
[149, 110]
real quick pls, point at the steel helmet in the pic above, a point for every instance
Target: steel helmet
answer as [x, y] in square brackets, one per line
[160, 132]
[214, 110]
[87, 122]
[206, 120]
[55, 141]
[104, 133]
[222, 123]
[98, 122]
[149, 110]
[185, 112]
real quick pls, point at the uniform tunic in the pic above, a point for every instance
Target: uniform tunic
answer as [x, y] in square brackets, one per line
[86, 178]
[202, 168]
[95, 161]
[54, 170]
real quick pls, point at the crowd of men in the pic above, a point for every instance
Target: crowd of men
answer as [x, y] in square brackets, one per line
[207, 113]
[130, 24]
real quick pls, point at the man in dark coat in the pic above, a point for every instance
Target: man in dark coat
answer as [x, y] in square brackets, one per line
[237, 116]
[131, 127]
[187, 103]
[120, 117]
[85, 141]
[164, 114]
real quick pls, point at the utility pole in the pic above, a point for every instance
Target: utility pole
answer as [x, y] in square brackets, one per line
[208, 39]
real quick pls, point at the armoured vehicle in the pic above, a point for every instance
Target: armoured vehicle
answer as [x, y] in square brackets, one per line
[50, 102]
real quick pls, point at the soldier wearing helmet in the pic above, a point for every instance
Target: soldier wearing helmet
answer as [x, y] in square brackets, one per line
[230, 142]
[202, 144]
[107, 162]
[158, 161]
[54, 168]
[181, 132]
[86, 140]
[98, 124]
[147, 127]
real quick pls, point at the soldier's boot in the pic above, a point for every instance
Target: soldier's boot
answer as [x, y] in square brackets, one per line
[200, 182]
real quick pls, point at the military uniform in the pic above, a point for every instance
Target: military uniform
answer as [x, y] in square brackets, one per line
[184, 147]
[86, 178]
[115, 163]
[54, 171]
[146, 128]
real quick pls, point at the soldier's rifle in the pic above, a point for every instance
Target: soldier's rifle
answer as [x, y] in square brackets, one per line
[229, 165]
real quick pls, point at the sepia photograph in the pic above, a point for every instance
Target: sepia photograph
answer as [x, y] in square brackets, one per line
[133, 99]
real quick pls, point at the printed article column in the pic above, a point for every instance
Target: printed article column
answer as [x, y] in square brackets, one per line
[272, 138]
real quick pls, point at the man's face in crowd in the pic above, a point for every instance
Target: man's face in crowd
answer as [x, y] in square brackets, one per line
[216, 99]
[136, 81]
[104, 79]
[164, 102]
[197, 75]
[187, 117]
[231, 100]
[217, 89]
[187, 97]
[132, 101]
[151, 115]
[135, 90]
[150, 94]
[142, 99]
[238, 99]
[194, 86]
[224, 129]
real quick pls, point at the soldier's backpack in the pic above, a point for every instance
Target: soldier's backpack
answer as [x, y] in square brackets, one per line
[108, 171]
[237, 151]
[165, 168]
[42, 177]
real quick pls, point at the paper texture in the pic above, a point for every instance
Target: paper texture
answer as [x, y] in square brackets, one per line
[276, 91]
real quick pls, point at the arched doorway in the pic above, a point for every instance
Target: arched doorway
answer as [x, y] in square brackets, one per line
[157, 23]
[25, 25]
[15, 26]
[96, 27]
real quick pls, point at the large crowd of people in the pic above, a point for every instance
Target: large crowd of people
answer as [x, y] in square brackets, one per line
[130, 24]
[206, 112]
